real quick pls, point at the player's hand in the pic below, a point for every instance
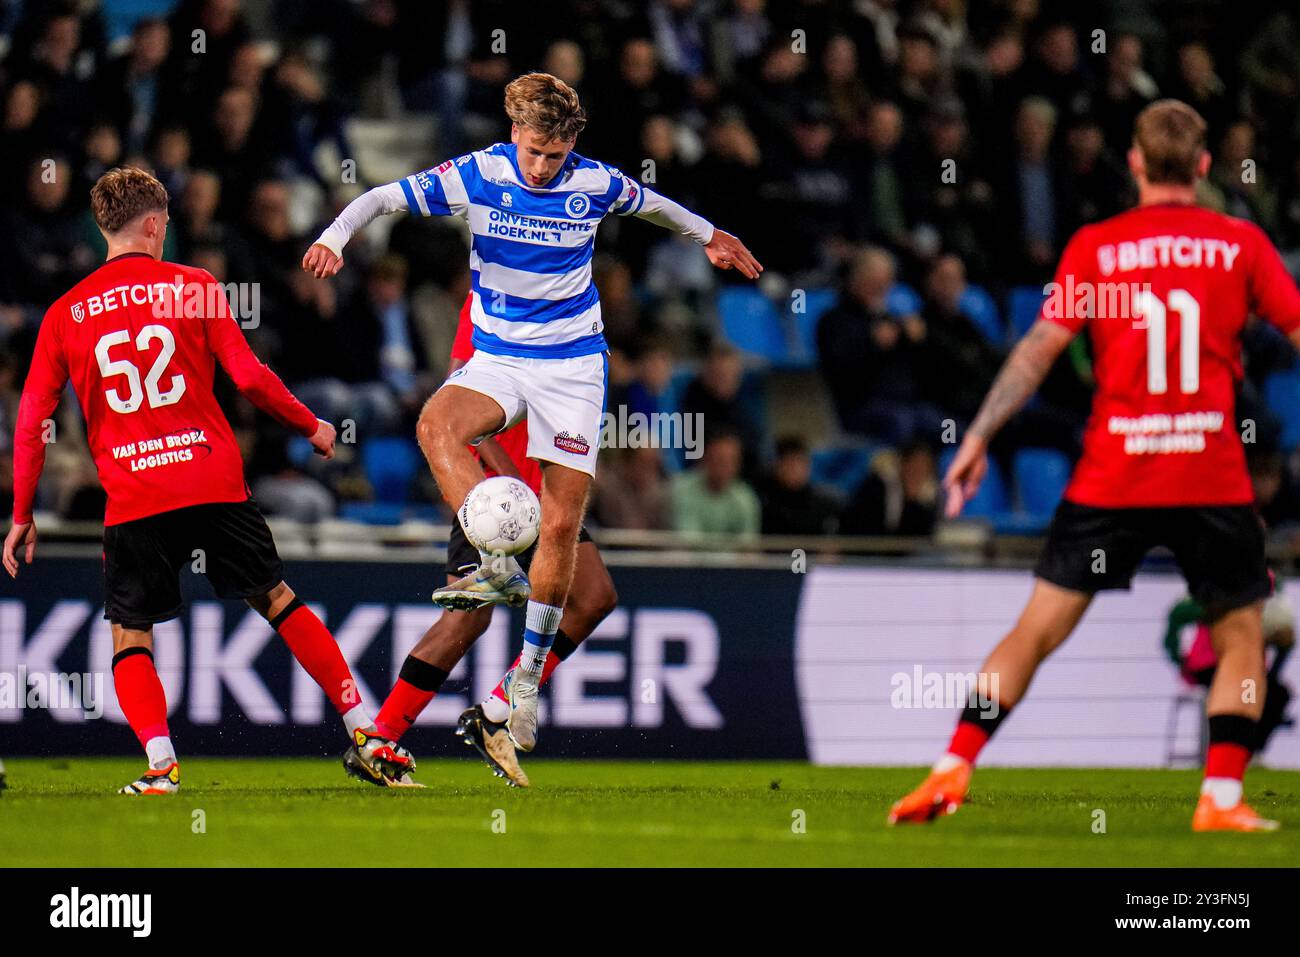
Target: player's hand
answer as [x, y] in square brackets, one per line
[19, 537]
[965, 474]
[727, 252]
[495, 457]
[323, 439]
[321, 261]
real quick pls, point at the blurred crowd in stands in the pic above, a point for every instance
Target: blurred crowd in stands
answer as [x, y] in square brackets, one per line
[907, 170]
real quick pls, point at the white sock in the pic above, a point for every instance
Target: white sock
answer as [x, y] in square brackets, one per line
[356, 717]
[1226, 792]
[948, 762]
[494, 709]
[160, 752]
[541, 623]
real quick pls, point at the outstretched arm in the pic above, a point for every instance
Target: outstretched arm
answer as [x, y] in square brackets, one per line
[325, 257]
[256, 382]
[1021, 375]
[724, 250]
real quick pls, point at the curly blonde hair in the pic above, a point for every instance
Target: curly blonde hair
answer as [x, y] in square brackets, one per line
[546, 105]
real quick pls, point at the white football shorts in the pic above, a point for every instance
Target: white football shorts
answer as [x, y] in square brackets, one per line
[563, 400]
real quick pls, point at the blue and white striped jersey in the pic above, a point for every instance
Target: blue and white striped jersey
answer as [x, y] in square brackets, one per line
[531, 247]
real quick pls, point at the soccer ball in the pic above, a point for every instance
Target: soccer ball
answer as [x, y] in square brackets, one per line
[501, 515]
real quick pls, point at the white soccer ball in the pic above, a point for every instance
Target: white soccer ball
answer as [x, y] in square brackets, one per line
[501, 515]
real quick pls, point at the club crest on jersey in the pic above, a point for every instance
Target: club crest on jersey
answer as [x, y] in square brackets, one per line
[507, 199]
[576, 444]
[78, 311]
[577, 205]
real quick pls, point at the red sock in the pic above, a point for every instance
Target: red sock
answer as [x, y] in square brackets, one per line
[417, 683]
[552, 662]
[968, 740]
[317, 651]
[140, 694]
[1224, 759]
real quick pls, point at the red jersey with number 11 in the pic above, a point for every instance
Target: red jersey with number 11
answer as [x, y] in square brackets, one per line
[139, 339]
[1165, 291]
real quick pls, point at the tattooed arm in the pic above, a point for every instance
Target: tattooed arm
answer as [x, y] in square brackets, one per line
[1021, 375]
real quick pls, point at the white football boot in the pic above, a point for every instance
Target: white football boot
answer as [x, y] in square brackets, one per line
[500, 581]
[521, 693]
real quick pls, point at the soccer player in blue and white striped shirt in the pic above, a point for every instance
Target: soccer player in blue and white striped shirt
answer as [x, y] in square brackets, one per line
[533, 206]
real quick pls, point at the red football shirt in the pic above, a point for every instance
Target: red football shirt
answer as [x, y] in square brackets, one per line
[1170, 288]
[139, 339]
[514, 440]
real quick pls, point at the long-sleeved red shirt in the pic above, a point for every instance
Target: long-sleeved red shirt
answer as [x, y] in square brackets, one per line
[138, 339]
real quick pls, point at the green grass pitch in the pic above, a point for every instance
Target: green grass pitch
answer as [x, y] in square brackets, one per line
[304, 812]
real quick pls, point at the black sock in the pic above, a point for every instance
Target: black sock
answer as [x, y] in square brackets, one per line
[1233, 729]
[421, 674]
[563, 646]
[980, 717]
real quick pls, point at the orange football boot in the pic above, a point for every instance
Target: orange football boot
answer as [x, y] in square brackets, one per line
[941, 793]
[1239, 817]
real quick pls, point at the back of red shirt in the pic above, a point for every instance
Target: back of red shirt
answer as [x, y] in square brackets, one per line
[1165, 291]
[138, 339]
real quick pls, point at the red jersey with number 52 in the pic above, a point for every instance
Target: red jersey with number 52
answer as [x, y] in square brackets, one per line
[139, 339]
[1165, 290]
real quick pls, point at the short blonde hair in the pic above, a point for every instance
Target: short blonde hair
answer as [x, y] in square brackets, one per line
[546, 105]
[1171, 137]
[122, 194]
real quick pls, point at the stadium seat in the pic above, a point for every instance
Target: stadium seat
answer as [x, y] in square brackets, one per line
[752, 323]
[842, 468]
[1022, 309]
[1041, 476]
[978, 306]
[816, 304]
[902, 299]
[373, 513]
[991, 501]
[1282, 393]
[390, 465]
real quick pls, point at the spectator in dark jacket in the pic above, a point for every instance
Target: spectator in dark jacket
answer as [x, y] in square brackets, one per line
[792, 505]
[872, 358]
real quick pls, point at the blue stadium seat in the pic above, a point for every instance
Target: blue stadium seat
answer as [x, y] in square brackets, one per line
[1282, 393]
[372, 513]
[752, 323]
[1041, 476]
[816, 304]
[978, 306]
[991, 501]
[902, 299]
[390, 465]
[1022, 307]
[842, 468]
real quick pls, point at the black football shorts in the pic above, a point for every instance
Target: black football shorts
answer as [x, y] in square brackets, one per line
[1219, 548]
[228, 542]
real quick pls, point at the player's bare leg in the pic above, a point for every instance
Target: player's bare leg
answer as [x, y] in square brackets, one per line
[144, 703]
[564, 501]
[452, 419]
[1234, 706]
[370, 756]
[1047, 620]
